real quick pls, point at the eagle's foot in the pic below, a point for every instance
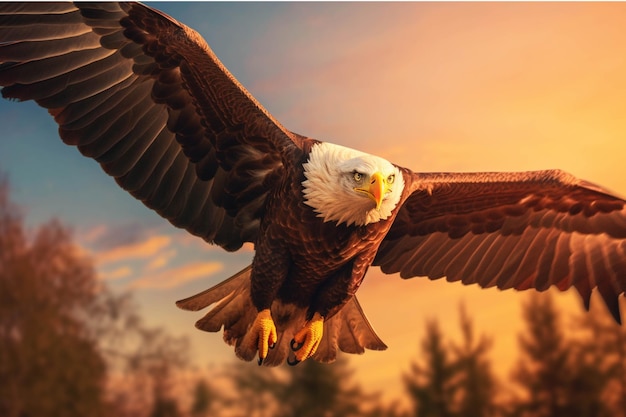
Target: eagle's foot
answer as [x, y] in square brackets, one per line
[304, 343]
[262, 334]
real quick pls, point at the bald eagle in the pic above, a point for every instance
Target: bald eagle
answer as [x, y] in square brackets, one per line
[145, 96]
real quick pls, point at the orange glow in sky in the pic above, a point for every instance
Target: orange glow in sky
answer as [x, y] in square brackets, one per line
[430, 86]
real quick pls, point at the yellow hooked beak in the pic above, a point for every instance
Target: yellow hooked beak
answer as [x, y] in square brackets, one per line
[376, 190]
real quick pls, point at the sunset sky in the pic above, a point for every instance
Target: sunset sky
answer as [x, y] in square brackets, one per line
[429, 86]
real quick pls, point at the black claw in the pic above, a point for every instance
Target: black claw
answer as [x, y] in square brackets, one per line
[295, 346]
[272, 346]
[260, 361]
[294, 363]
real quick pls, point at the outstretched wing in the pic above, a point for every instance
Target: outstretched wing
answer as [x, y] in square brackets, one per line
[144, 96]
[511, 230]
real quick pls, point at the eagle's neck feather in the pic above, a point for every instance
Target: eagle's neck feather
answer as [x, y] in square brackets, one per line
[335, 201]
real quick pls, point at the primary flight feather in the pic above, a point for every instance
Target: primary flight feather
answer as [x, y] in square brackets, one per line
[145, 96]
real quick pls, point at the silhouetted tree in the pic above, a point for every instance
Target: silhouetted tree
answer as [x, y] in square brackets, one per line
[560, 375]
[308, 389]
[50, 364]
[145, 359]
[542, 371]
[602, 351]
[204, 399]
[453, 379]
[588, 381]
[68, 346]
[431, 383]
[255, 388]
[381, 410]
[316, 389]
[164, 406]
[477, 386]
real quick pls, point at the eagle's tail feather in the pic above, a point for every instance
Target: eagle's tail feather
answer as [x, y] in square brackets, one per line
[348, 330]
[233, 308]
[214, 294]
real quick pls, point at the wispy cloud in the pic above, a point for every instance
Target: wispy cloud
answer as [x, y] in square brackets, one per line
[117, 273]
[175, 277]
[151, 260]
[94, 234]
[108, 236]
[144, 249]
[161, 260]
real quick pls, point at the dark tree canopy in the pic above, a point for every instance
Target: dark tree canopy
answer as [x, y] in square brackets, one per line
[48, 351]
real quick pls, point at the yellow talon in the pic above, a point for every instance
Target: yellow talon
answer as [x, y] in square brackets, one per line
[306, 341]
[262, 333]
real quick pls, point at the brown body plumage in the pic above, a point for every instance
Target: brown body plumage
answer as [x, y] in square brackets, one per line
[293, 241]
[145, 96]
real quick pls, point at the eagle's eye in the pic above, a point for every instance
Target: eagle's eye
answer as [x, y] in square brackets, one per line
[391, 179]
[358, 177]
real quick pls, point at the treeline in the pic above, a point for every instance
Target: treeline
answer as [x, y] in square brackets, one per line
[580, 372]
[69, 347]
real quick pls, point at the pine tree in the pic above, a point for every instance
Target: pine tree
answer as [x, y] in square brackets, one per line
[561, 375]
[256, 390]
[602, 348]
[204, 399]
[431, 384]
[315, 389]
[454, 379]
[477, 386]
[543, 370]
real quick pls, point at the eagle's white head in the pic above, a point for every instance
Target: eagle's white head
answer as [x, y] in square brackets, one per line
[348, 186]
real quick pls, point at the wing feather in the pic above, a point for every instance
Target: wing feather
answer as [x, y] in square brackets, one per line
[29, 51]
[499, 259]
[146, 97]
[147, 175]
[511, 230]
